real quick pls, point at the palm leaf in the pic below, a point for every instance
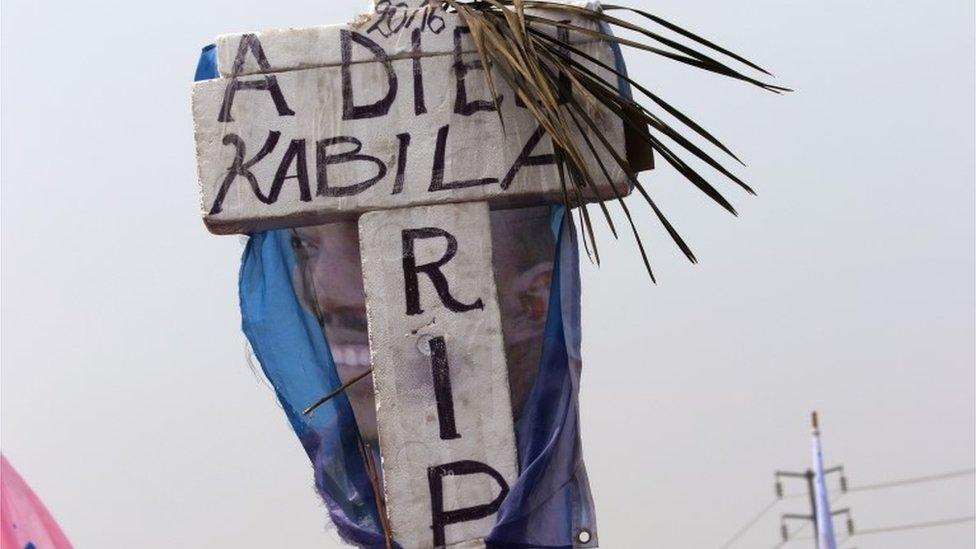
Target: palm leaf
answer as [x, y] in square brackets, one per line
[559, 85]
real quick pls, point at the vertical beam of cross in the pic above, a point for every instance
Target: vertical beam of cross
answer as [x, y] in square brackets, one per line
[443, 407]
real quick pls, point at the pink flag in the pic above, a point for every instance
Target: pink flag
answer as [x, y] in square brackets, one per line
[24, 521]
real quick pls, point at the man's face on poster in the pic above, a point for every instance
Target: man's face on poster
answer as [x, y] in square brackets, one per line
[328, 279]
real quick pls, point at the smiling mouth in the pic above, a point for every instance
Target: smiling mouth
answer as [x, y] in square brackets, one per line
[350, 358]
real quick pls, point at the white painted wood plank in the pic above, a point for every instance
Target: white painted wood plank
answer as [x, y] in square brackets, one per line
[475, 146]
[391, 30]
[421, 430]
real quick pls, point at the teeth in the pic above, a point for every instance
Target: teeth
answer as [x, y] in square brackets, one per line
[351, 355]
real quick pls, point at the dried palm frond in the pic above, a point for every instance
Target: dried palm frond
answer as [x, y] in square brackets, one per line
[557, 82]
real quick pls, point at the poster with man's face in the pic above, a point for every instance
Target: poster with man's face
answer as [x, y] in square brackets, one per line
[328, 279]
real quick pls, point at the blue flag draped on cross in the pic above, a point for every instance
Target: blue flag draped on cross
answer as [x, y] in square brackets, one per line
[460, 423]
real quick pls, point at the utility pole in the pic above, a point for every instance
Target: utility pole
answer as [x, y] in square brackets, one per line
[809, 477]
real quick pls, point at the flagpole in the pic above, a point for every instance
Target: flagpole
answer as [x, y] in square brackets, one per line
[822, 516]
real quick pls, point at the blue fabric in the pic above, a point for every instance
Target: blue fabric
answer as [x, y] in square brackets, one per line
[207, 65]
[295, 357]
[550, 501]
[543, 507]
[548, 504]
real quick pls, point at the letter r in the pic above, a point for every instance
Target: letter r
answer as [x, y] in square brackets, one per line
[432, 270]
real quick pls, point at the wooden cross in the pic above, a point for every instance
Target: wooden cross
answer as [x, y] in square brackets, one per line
[387, 119]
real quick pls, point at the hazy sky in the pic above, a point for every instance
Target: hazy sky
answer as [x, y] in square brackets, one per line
[847, 286]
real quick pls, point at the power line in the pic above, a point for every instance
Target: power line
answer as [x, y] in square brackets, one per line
[916, 480]
[902, 482]
[791, 536]
[762, 513]
[916, 526]
[863, 488]
[735, 537]
[902, 527]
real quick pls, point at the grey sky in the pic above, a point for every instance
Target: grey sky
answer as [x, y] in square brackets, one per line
[846, 286]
